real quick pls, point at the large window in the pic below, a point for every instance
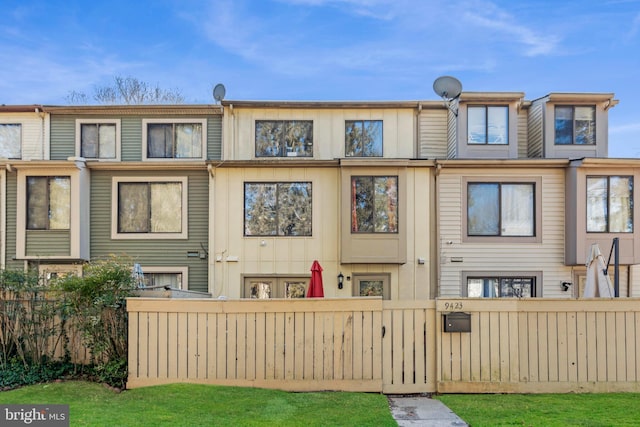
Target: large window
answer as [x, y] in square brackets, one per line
[10, 140]
[284, 138]
[500, 209]
[277, 209]
[575, 125]
[610, 204]
[363, 138]
[374, 204]
[275, 287]
[98, 139]
[488, 124]
[149, 208]
[48, 202]
[501, 287]
[174, 139]
[165, 277]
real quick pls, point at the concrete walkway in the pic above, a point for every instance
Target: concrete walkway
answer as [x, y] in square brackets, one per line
[419, 410]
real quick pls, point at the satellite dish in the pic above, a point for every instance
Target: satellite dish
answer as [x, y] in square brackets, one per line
[447, 87]
[218, 92]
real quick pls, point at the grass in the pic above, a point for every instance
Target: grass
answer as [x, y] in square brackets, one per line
[92, 404]
[612, 409]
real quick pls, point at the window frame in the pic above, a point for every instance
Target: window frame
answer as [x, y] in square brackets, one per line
[173, 121]
[78, 138]
[352, 207]
[608, 217]
[292, 154]
[48, 179]
[184, 270]
[361, 153]
[537, 209]
[486, 108]
[20, 138]
[116, 235]
[356, 278]
[277, 208]
[573, 107]
[279, 283]
[535, 275]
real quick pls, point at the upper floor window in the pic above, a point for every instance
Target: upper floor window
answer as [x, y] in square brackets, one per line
[488, 124]
[501, 287]
[10, 140]
[575, 125]
[610, 204]
[174, 139]
[500, 209]
[149, 208]
[284, 138]
[48, 202]
[374, 204]
[363, 138]
[98, 139]
[277, 209]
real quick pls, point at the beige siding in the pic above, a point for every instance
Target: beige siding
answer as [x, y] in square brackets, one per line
[433, 134]
[452, 136]
[399, 130]
[634, 280]
[35, 133]
[535, 130]
[547, 256]
[522, 135]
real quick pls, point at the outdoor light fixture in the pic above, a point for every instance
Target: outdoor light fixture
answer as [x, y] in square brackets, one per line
[565, 286]
[340, 280]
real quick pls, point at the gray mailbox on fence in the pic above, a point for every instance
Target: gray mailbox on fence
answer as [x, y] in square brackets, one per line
[456, 322]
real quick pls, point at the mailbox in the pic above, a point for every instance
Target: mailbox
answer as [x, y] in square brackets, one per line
[456, 322]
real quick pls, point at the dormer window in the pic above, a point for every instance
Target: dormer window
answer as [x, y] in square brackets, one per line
[575, 125]
[488, 124]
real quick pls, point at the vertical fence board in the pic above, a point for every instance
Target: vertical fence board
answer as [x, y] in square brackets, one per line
[152, 347]
[201, 370]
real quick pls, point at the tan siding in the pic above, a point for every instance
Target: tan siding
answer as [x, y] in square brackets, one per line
[634, 280]
[328, 130]
[523, 135]
[433, 134]
[536, 131]
[547, 256]
[34, 133]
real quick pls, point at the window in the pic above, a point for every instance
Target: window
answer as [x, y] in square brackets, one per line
[51, 272]
[575, 125]
[275, 287]
[98, 139]
[371, 285]
[374, 204]
[149, 208]
[610, 204]
[10, 140]
[175, 139]
[501, 287]
[363, 138]
[277, 209]
[488, 124]
[48, 203]
[161, 277]
[284, 138]
[500, 209]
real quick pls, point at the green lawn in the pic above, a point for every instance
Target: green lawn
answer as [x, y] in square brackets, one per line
[92, 404]
[614, 409]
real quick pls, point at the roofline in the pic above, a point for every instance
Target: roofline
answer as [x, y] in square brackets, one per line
[35, 108]
[135, 109]
[332, 104]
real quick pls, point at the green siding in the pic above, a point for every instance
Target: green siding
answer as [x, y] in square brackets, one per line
[63, 137]
[11, 263]
[156, 252]
[48, 243]
[214, 138]
[131, 139]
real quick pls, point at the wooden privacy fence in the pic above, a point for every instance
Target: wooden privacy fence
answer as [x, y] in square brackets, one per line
[323, 344]
[366, 344]
[541, 346]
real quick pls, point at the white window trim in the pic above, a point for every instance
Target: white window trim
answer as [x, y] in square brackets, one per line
[146, 122]
[164, 269]
[80, 122]
[148, 236]
[44, 269]
[21, 139]
[501, 274]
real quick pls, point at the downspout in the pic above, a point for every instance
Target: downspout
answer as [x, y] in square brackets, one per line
[436, 291]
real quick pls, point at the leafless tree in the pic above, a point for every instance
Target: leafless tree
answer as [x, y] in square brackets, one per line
[127, 91]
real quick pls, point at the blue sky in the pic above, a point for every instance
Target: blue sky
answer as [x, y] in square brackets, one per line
[327, 49]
